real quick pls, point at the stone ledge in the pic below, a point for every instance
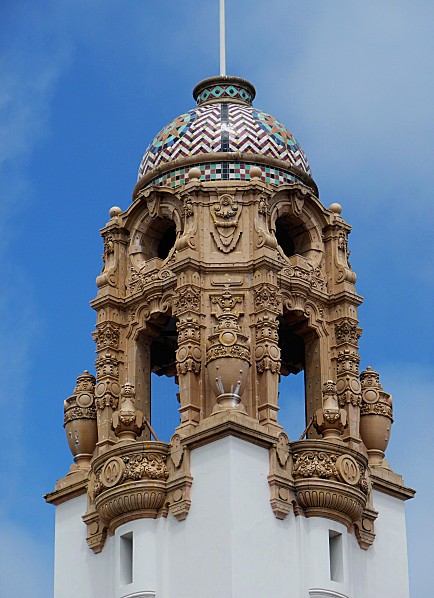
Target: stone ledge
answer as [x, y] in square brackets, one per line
[69, 491]
[391, 483]
[229, 423]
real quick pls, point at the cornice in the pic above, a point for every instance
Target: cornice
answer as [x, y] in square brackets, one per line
[57, 497]
[391, 483]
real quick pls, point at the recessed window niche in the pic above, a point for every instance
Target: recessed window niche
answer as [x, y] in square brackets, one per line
[336, 556]
[126, 550]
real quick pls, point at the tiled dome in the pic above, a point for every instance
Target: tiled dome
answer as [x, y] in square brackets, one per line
[225, 122]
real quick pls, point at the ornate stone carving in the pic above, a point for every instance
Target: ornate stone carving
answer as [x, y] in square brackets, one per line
[139, 280]
[330, 421]
[348, 385]
[267, 352]
[282, 449]
[107, 391]
[228, 352]
[176, 450]
[315, 463]
[348, 361]
[96, 531]
[145, 465]
[375, 416]
[364, 528]
[347, 332]
[180, 480]
[280, 479]
[377, 409]
[79, 413]
[128, 422]
[268, 297]
[107, 365]
[128, 482]
[329, 480]
[110, 262]
[225, 214]
[80, 420]
[188, 355]
[348, 470]
[313, 277]
[187, 299]
[106, 336]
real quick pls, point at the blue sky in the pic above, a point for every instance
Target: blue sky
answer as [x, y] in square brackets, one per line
[84, 88]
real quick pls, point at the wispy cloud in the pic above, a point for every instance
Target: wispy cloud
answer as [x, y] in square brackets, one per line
[29, 74]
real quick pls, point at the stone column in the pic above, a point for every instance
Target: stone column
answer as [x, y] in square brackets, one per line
[348, 386]
[268, 304]
[188, 355]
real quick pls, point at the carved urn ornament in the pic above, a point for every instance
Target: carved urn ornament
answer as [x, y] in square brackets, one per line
[375, 416]
[80, 420]
[228, 355]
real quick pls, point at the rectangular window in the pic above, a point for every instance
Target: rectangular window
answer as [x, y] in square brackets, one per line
[126, 559]
[336, 556]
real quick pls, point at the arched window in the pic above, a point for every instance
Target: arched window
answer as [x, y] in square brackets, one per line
[292, 236]
[158, 241]
[155, 375]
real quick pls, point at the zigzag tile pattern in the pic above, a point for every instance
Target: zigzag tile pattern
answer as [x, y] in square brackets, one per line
[199, 131]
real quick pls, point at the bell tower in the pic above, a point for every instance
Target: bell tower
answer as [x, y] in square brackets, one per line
[227, 273]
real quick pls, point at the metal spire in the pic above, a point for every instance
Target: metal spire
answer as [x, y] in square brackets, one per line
[222, 39]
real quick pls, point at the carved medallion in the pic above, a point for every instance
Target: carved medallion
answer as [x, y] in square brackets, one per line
[348, 470]
[112, 472]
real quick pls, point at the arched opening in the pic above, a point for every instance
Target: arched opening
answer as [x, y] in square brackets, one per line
[292, 236]
[167, 241]
[292, 384]
[164, 381]
[158, 240]
[283, 237]
[155, 376]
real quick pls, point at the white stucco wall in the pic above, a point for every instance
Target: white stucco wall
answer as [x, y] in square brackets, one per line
[231, 545]
[77, 570]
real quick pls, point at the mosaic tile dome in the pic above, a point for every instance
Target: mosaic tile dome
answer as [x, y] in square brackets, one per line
[227, 135]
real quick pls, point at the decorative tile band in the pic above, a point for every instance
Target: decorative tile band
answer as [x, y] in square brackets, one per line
[224, 92]
[225, 171]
